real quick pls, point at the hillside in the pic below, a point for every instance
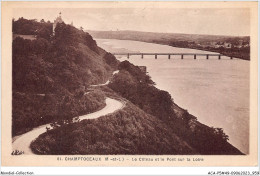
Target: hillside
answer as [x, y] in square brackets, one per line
[151, 123]
[52, 80]
[139, 89]
[51, 74]
[129, 131]
[240, 46]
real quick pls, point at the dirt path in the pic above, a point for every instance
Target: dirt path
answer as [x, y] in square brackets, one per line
[22, 142]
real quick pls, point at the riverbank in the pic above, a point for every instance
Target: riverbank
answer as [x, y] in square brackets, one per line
[243, 53]
[223, 83]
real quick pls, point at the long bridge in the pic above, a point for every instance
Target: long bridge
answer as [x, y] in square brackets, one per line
[170, 54]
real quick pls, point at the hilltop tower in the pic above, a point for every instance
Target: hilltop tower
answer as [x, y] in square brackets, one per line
[56, 21]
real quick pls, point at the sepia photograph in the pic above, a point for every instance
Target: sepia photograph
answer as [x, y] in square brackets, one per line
[124, 83]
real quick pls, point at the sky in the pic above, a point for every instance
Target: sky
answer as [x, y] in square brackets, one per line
[229, 21]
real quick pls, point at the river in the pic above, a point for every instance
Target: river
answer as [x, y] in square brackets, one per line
[215, 91]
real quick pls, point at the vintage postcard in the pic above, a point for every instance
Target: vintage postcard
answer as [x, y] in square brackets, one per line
[129, 84]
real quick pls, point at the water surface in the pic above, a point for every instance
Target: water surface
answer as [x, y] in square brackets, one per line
[215, 91]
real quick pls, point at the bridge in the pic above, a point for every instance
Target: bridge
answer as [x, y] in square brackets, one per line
[170, 54]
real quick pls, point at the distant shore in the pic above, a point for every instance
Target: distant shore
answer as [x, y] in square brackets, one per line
[243, 56]
[192, 41]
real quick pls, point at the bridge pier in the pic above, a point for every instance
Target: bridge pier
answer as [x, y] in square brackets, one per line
[207, 55]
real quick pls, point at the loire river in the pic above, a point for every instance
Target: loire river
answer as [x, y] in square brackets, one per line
[215, 91]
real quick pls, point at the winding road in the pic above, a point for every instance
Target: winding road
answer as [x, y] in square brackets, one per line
[106, 83]
[22, 142]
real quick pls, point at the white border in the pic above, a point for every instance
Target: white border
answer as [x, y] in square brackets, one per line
[130, 170]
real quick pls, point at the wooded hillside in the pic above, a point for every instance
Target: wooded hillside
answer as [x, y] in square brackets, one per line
[53, 72]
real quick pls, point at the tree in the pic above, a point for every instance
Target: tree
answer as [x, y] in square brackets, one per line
[44, 32]
[68, 108]
[65, 36]
[40, 45]
[21, 46]
[219, 133]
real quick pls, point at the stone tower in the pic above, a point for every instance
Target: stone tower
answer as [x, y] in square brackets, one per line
[56, 21]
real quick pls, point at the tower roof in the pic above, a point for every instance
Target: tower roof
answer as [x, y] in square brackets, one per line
[58, 19]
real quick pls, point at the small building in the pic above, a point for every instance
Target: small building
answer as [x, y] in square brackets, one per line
[217, 46]
[227, 45]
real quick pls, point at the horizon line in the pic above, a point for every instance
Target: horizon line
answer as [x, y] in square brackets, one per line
[166, 33]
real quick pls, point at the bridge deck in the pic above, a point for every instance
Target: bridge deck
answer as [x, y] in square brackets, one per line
[198, 54]
[172, 54]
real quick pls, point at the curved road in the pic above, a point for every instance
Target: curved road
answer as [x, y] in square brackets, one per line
[22, 142]
[115, 72]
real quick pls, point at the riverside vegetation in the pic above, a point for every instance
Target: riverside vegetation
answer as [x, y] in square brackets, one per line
[51, 76]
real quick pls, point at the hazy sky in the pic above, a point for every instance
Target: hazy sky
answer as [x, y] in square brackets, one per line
[191, 21]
